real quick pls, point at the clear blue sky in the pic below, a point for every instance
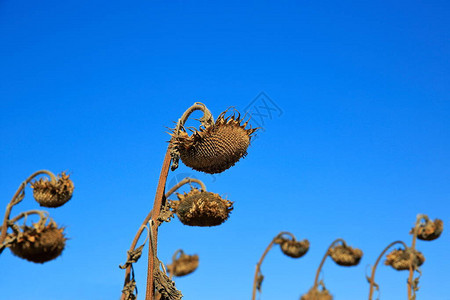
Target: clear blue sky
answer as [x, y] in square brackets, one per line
[361, 144]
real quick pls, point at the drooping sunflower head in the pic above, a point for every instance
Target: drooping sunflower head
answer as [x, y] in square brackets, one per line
[400, 259]
[39, 243]
[183, 265]
[292, 247]
[430, 230]
[345, 255]
[215, 148]
[200, 208]
[316, 294]
[53, 194]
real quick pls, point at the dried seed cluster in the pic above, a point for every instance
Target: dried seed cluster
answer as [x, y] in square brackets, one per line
[429, 231]
[215, 148]
[345, 255]
[399, 259]
[200, 208]
[40, 243]
[293, 248]
[184, 265]
[53, 194]
[315, 294]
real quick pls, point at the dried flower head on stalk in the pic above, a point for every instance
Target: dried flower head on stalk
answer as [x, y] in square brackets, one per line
[183, 265]
[430, 230]
[38, 243]
[399, 259]
[200, 208]
[214, 148]
[316, 294]
[345, 255]
[292, 247]
[53, 194]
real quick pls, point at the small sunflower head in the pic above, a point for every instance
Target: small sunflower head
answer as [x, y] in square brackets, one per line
[183, 265]
[430, 230]
[53, 194]
[200, 208]
[39, 243]
[399, 259]
[345, 255]
[215, 148]
[292, 247]
[316, 294]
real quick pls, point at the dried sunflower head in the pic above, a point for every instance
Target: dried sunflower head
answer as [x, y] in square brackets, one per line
[200, 208]
[345, 255]
[53, 194]
[399, 259]
[183, 265]
[215, 148]
[430, 230]
[293, 248]
[315, 294]
[39, 243]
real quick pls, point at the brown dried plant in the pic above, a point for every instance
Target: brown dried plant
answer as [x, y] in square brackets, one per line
[182, 264]
[40, 242]
[409, 258]
[288, 245]
[201, 208]
[342, 255]
[213, 148]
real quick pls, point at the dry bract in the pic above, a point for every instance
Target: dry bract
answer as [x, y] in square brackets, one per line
[429, 231]
[40, 243]
[345, 255]
[215, 148]
[399, 259]
[53, 194]
[315, 294]
[294, 248]
[200, 208]
[184, 265]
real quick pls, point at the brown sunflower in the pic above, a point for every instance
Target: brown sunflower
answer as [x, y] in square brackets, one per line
[53, 194]
[183, 265]
[316, 294]
[39, 243]
[345, 255]
[399, 259]
[293, 248]
[430, 230]
[200, 208]
[215, 148]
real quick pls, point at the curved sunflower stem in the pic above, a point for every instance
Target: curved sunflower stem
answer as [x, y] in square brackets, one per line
[18, 197]
[374, 268]
[412, 268]
[206, 120]
[316, 279]
[42, 214]
[183, 182]
[258, 265]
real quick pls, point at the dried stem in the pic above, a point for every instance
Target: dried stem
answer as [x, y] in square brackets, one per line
[183, 182]
[258, 265]
[16, 199]
[42, 214]
[374, 268]
[206, 120]
[171, 156]
[419, 219]
[316, 279]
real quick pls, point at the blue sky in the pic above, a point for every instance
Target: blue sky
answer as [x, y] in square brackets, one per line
[359, 146]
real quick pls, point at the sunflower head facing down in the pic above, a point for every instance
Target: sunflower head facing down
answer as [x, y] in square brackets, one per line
[215, 148]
